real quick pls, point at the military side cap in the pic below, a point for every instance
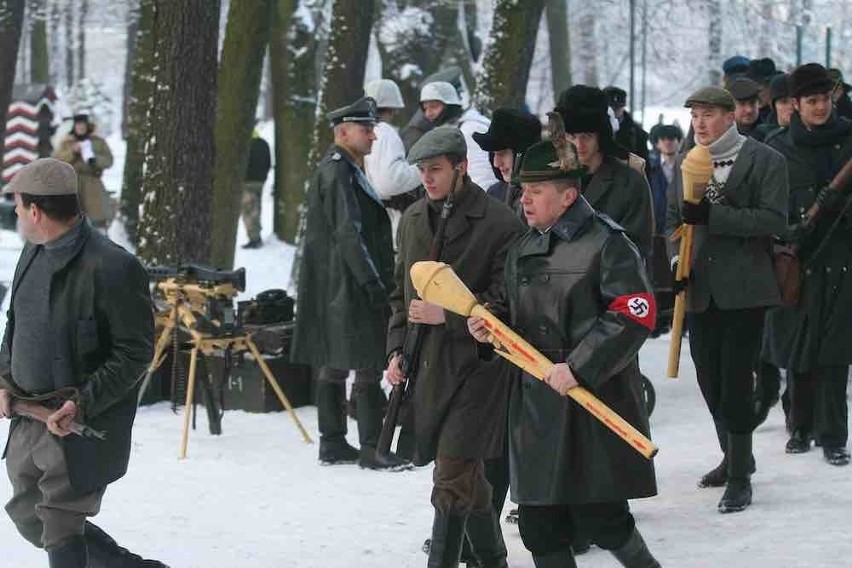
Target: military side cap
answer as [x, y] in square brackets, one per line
[510, 129]
[810, 79]
[441, 141]
[735, 64]
[743, 89]
[46, 176]
[362, 110]
[541, 163]
[711, 96]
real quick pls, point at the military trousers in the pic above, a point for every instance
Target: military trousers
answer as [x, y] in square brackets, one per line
[818, 404]
[46, 510]
[459, 486]
[547, 529]
[725, 345]
[252, 194]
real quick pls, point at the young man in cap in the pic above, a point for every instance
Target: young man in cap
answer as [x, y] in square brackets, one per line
[570, 474]
[734, 67]
[79, 336]
[509, 135]
[629, 135]
[666, 139]
[459, 400]
[747, 112]
[761, 72]
[840, 93]
[811, 339]
[442, 106]
[732, 282]
[90, 156]
[611, 186]
[782, 108]
[345, 278]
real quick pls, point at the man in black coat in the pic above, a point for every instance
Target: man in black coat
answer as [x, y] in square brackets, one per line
[732, 282]
[79, 336]
[344, 281]
[811, 339]
[578, 291]
[259, 162]
[630, 135]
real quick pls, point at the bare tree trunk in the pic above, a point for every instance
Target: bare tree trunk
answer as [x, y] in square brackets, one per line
[714, 62]
[178, 178]
[39, 67]
[246, 40]
[588, 48]
[505, 70]
[81, 40]
[132, 33]
[341, 82]
[11, 24]
[293, 48]
[138, 102]
[560, 45]
[69, 44]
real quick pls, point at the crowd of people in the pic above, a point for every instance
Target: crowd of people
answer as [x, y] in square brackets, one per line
[554, 229]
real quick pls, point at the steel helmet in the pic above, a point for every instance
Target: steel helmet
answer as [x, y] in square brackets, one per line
[440, 91]
[385, 92]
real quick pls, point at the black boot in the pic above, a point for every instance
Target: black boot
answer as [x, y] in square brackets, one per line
[737, 496]
[104, 552]
[69, 554]
[836, 455]
[486, 539]
[561, 559]
[447, 535]
[634, 553]
[331, 418]
[370, 409]
[799, 442]
[718, 476]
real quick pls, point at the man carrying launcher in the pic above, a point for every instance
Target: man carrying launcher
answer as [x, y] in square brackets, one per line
[578, 292]
[732, 280]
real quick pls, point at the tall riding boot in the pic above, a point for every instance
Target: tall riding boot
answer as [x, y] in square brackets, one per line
[635, 554]
[718, 476]
[69, 554]
[561, 559]
[104, 552]
[331, 418]
[486, 539]
[447, 535]
[737, 496]
[370, 410]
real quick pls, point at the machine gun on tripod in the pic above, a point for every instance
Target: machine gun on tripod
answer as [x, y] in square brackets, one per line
[199, 301]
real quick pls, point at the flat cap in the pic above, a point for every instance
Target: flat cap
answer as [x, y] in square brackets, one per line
[541, 163]
[743, 89]
[711, 96]
[438, 142]
[45, 176]
[362, 110]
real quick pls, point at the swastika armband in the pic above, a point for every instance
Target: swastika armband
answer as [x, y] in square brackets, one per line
[639, 307]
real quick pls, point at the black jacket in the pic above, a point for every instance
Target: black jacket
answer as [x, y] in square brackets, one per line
[631, 136]
[580, 294]
[104, 331]
[259, 160]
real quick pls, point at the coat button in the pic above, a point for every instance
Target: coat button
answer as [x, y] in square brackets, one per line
[543, 329]
[545, 277]
[525, 281]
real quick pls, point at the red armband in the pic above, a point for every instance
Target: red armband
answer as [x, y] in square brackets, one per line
[640, 307]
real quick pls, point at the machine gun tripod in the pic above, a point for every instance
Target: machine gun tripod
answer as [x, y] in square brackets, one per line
[200, 304]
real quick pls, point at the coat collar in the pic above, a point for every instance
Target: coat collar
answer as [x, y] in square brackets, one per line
[358, 172]
[742, 165]
[472, 206]
[567, 227]
[601, 181]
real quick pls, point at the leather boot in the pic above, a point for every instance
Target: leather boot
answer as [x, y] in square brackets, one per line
[634, 553]
[69, 554]
[447, 535]
[486, 539]
[369, 409]
[331, 419]
[718, 476]
[737, 496]
[105, 552]
[561, 559]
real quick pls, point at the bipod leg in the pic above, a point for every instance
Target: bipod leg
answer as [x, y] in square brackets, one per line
[159, 355]
[275, 387]
[214, 416]
[187, 409]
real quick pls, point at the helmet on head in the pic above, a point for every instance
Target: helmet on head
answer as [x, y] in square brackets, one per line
[385, 92]
[440, 91]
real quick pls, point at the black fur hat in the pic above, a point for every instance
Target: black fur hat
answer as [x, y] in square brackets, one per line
[809, 79]
[510, 129]
[761, 70]
[584, 109]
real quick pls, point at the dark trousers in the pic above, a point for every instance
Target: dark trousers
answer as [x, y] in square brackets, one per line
[818, 404]
[547, 529]
[725, 345]
[459, 486]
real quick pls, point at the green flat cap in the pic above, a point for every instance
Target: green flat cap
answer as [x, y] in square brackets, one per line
[541, 163]
[438, 142]
[46, 176]
[711, 96]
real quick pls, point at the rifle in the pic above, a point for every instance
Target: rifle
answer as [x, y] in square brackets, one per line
[415, 333]
[36, 411]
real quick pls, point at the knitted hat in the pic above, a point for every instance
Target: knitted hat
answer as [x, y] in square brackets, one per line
[510, 129]
[809, 79]
[46, 176]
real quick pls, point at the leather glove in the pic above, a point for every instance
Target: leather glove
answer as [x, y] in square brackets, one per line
[829, 199]
[678, 285]
[797, 233]
[376, 293]
[696, 213]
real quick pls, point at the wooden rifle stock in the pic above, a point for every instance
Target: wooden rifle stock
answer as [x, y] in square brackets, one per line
[838, 183]
[41, 413]
[414, 335]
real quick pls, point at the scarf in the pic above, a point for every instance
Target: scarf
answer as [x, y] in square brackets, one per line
[724, 152]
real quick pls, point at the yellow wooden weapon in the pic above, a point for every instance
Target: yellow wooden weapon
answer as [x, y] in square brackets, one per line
[437, 284]
[697, 169]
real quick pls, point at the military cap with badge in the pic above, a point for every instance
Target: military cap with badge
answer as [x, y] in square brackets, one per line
[364, 110]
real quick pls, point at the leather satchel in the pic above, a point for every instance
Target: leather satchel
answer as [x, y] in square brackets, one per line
[788, 271]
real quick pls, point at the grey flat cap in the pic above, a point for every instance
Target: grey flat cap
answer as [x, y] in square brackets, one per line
[438, 142]
[46, 176]
[711, 96]
[744, 89]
